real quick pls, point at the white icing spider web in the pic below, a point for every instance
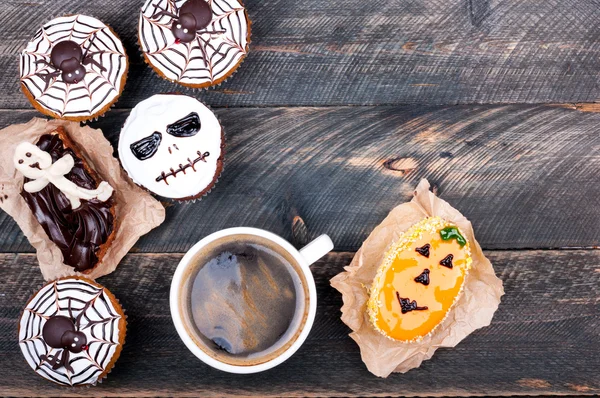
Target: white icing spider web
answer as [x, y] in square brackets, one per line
[99, 322]
[97, 89]
[185, 62]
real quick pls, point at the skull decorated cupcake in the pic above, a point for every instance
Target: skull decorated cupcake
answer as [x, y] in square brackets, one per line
[72, 331]
[172, 145]
[196, 43]
[74, 68]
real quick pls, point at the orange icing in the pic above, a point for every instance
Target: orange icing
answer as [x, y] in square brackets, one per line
[396, 277]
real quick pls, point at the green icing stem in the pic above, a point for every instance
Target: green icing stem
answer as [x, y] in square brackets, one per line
[453, 233]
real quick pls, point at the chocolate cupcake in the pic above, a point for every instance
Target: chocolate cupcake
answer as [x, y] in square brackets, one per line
[72, 331]
[173, 146]
[74, 68]
[72, 203]
[195, 43]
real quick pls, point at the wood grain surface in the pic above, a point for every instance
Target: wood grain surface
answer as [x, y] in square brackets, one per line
[542, 339]
[340, 52]
[526, 176]
[433, 79]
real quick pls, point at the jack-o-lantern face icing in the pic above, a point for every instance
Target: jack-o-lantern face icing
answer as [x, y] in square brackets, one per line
[420, 279]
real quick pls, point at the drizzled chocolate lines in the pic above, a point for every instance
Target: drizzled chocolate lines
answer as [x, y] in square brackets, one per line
[191, 163]
[407, 306]
[101, 86]
[198, 60]
[97, 316]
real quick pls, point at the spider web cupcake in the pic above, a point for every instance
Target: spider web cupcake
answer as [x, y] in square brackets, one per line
[74, 68]
[72, 331]
[195, 43]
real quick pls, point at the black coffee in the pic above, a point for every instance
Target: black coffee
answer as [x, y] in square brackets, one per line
[246, 299]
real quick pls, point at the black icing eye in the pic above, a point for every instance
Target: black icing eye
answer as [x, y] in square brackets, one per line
[146, 147]
[185, 127]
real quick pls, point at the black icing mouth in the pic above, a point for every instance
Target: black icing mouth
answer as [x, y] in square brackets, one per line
[35, 165]
[183, 166]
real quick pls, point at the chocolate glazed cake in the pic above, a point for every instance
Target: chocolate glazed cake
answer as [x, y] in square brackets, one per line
[78, 218]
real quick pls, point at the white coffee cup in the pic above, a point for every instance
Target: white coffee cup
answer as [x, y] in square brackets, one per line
[304, 257]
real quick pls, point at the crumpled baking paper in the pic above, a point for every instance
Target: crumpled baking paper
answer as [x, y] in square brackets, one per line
[473, 310]
[136, 211]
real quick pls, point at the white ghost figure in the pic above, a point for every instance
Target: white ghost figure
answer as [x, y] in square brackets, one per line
[37, 165]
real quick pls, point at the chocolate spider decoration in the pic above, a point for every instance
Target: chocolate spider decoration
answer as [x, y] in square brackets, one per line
[69, 59]
[190, 21]
[63, 333]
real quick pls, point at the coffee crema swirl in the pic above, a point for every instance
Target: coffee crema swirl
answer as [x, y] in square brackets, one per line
[245, 300]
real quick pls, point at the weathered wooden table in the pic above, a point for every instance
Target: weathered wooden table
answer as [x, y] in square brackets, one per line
[339, 110]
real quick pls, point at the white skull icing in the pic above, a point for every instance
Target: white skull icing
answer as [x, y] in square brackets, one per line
[171, 145]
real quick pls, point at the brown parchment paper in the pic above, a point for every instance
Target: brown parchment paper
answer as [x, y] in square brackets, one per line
[136, 211]
[473, 310]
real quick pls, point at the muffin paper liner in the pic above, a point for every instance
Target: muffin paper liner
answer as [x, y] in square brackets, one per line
[136, 211]
[474, 308]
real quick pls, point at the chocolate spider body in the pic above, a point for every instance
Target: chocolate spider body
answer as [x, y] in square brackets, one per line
[68, 59]
[190, 20]
[62, 332]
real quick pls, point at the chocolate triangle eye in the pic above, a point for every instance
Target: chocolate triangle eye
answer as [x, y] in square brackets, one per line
[186, 126]
[146, 147]
[447, 261]
[423, 277]
[424, 250]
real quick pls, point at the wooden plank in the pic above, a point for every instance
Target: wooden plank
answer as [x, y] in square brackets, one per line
[543, 340]
[525, 175]
[340, 52]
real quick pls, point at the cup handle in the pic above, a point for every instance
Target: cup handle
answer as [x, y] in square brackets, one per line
[316, 249]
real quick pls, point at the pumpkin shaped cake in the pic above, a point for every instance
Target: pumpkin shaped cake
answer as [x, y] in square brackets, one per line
[419, 280]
